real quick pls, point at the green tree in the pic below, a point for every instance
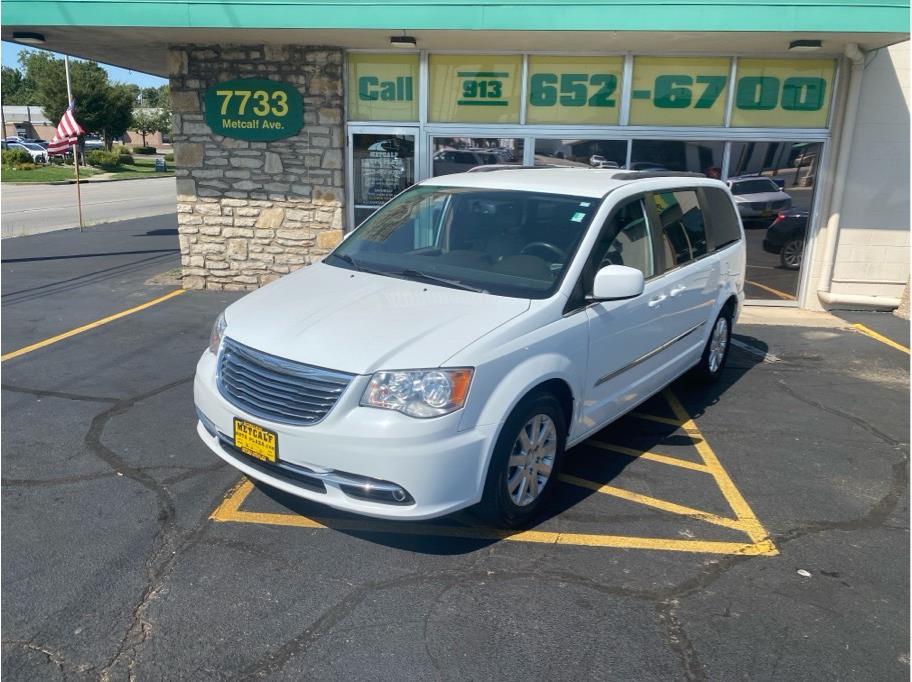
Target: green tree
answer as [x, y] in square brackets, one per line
[156, 98]
[101, 107]
[16, 88]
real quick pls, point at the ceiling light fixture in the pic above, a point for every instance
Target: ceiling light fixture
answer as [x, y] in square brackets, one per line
[403, 41]
[29, 38]
[805, 45]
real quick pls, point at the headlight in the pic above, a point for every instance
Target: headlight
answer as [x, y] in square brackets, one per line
[419, 393]
[218, 330]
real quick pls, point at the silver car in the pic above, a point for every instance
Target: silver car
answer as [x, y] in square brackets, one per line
[758, 197]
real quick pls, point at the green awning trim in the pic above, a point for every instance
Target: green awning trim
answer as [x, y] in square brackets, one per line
[857, 16]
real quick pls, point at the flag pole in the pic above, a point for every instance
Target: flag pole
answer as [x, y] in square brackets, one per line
[66, 66]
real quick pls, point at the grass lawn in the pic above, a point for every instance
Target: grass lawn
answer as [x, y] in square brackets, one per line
[141, 167]
[45, 174]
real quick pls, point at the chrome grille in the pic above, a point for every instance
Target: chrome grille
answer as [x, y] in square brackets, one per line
[277, 389]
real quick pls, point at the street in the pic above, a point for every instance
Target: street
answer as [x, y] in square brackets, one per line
[32, 209]
[754, 529]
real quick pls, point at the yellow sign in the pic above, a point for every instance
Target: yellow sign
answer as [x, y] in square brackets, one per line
[382, 87]
[474, 88]
[255, 441]
[681, 91]
[783, 93]
[574, 89]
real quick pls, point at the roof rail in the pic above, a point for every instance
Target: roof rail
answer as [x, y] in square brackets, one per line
[487, 168]
[641, 175]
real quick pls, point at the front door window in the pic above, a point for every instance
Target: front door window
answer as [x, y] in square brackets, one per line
[382, 166]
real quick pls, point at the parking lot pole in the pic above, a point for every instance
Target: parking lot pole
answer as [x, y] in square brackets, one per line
[66, 68]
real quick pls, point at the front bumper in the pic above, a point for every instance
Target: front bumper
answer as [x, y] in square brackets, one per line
[442, 469]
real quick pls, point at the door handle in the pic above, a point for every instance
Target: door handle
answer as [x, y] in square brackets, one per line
[677, 290]
[653, 302]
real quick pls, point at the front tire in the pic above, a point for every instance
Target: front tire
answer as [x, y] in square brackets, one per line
[715, 353]
[525, 463]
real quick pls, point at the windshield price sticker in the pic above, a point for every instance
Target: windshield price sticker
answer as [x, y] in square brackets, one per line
[382, 87]
[793, 93]
[574, 89]
[254, 109]
[679, 91]
[474, 89]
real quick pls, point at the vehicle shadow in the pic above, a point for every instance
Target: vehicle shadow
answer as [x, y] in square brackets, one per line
[463, 532]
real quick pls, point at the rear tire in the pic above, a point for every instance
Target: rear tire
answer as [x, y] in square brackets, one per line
[715, 353]
[791, 254]
[525, 463]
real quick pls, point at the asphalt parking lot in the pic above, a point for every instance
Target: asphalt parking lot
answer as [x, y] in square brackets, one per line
[755, 529]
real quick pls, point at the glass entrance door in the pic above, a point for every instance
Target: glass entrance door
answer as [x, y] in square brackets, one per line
[382, 164]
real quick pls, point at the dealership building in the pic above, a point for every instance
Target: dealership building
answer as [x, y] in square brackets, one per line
[293, 121]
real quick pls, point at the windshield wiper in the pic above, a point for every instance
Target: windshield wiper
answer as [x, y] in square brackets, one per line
[348, 259]
[445, 281]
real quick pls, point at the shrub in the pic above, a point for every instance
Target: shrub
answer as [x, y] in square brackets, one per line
[103, 159]
[124, 158]
[169, 157]
[26, 166]
[59, 160]
[143, 150]
[15, 157]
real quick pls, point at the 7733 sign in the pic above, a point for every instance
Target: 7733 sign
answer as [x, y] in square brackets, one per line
[254, 109]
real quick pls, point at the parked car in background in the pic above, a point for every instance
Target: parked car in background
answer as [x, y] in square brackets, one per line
[786, 237]
[758, 197]
[37, 152]
[480, 325]
[93, 142]
[599, 161]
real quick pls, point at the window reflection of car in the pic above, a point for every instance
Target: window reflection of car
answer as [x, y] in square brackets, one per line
[758, 197]
[449, 161]
[786, 237]
[599, 161]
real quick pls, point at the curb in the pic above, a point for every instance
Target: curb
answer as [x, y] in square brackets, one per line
[86, 181]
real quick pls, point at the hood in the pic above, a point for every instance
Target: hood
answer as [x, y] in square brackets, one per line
[359, 323]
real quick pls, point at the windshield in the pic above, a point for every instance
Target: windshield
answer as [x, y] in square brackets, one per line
[758, 186]
[503, 242]
[33, 146]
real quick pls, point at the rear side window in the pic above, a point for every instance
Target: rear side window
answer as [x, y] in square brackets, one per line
[723, 221]
[683, 226]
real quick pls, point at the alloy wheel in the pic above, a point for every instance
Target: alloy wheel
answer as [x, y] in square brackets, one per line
[717, 344]
[531, 460]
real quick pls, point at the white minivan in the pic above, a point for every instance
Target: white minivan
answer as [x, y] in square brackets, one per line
[452, 348]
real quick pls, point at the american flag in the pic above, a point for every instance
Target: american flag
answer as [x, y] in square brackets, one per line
[68, 132]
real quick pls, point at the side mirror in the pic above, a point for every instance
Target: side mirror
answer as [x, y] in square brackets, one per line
[615, 282]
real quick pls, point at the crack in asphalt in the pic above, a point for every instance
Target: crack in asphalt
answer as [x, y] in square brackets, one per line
[58, 394]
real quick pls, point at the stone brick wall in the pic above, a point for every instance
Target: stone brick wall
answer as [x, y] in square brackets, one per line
[250, 212]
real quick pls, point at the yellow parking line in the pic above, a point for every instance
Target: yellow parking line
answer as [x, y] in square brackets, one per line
[229, 510]
[750, 524]
[91, 325]
[775, 292]
[656, 418]
[652, 456]
[879, 337]
[653, 502]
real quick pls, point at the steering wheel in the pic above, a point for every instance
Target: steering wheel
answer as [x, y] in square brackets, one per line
[560, 253]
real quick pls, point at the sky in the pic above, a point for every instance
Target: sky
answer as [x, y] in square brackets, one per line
[11, 53]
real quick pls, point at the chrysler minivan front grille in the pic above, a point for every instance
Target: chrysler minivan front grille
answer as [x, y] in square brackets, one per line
[276, 389]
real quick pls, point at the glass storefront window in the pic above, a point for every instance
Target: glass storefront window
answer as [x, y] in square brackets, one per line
[783, 93]
[679, 91]
[581, 153]
[773, 184]
[474, 88]
[570, 90]
[382, 166]
[678, 155]
[460, 154]
[382, 87]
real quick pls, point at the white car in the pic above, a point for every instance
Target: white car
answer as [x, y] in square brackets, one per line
[451, 348]
[758, 196]
[36, 151]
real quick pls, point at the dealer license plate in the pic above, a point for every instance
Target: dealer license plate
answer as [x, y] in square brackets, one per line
[255, 441]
